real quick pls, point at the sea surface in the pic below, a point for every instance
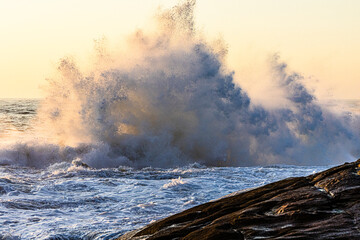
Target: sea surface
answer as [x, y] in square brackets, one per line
[69, 200]
[153, 129]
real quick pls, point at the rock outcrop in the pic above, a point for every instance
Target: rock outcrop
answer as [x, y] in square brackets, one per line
[324, 205]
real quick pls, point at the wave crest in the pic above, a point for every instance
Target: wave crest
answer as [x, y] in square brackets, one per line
[169, 100]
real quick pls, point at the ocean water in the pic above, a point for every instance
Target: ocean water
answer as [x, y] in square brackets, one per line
[68, 200]
[160, 127]
[16, 115]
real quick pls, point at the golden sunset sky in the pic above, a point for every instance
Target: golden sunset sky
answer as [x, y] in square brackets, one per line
[318, 38]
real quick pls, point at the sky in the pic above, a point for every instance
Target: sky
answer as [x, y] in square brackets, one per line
[320, 39]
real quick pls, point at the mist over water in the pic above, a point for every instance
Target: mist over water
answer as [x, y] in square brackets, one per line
[168, 100]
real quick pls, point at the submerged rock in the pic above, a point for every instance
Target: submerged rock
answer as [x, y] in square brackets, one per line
[324, 205]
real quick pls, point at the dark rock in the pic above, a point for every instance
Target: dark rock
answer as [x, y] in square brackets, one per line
[79, 163]
[325, 205]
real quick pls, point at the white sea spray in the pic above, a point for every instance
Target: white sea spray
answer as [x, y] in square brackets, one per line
[169, 100]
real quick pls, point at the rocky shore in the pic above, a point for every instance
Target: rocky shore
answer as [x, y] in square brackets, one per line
[324, 205]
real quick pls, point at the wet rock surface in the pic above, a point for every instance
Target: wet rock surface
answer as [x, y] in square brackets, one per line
[325, 205]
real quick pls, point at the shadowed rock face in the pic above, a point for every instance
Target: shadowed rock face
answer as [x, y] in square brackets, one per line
[325, 205]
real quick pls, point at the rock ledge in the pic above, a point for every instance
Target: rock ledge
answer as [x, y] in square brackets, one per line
[324, 205]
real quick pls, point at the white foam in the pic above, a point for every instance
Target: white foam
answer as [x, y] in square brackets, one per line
[174, 183]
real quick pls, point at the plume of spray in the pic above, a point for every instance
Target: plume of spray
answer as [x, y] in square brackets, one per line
[169, 100]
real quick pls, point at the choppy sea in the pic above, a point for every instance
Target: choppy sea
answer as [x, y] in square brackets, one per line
[69, 200]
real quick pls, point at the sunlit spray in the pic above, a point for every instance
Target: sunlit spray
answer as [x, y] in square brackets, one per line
[169, 100]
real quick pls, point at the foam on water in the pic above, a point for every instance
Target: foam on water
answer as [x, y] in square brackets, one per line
[174, 183]
[134, 138]
[67, 201]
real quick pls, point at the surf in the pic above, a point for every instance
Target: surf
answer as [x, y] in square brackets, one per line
[169, 100]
